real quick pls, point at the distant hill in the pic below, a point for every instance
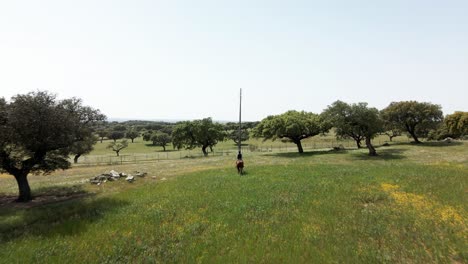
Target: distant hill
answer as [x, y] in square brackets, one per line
[117, 119]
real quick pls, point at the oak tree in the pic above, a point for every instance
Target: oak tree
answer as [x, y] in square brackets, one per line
[234, 135]
[292, 125]
[117, 146]
[37, 133]
[116, 135]
[198, 133]
[132, 134]
[161, 139]
[416, 118]
[457, 124]
[84, 146]
[357, 121]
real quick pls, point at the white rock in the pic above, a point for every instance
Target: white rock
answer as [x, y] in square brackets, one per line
[114, 174]
[140, 174]
[130, 178]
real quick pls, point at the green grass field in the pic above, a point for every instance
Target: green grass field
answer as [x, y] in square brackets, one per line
[408, 205]
[144, 151]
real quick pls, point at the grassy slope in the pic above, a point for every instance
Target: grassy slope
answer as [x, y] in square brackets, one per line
[407, 205]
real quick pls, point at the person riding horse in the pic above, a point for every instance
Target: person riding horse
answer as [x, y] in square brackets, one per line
[239, 156]
[240, 163]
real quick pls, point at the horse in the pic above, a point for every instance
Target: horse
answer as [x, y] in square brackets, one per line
[240, 166]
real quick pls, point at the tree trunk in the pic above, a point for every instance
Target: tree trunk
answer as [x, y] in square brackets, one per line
[358, 143]
[101, 139]
[132, 140]
[117, 153]
[299, 146]
[391, 138]
[371, 148]
[416, 140]
[23, 186]
[411, 131]
[75, 159]
[164, 148]
[204, 150]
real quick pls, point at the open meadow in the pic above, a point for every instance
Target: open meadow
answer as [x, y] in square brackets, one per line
[233, 132]
[143, 151]
[407, 205]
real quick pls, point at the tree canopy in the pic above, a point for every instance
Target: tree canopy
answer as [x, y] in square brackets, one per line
[147, 135]
[37, 133]
[117, 146]
[355, 121]
[132, 134]
[457, 124]
[416, 118]
[235, 125]
[340, 116]
[102, 133]
[292, 125]
[82, 147]
[161, 139]
[391, 130]
[198, 133]
[116, 135]
[234, 135]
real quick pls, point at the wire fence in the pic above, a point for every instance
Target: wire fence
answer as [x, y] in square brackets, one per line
[136, 158]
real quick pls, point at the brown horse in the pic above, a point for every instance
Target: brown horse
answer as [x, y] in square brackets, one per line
[240, 166]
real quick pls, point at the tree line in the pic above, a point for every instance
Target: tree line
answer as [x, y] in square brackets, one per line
[362, 123]
[185, 134]
[38, 132]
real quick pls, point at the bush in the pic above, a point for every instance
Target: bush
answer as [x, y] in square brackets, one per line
[439, 134]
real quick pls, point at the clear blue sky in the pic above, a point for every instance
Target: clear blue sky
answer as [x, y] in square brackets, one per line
[188, 59]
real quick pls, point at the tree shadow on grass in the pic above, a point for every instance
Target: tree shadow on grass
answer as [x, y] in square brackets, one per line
[382, 154]
[168, 147]
[45, 195]
[429, 144]
[439, 144]
[306, 154]
[65, 218]
[66, 190]
[166, 151]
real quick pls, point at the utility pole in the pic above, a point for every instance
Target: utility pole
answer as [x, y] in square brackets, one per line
[240, 120]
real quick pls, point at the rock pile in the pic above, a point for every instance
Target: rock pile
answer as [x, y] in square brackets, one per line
[140, 174]
[114, 176]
